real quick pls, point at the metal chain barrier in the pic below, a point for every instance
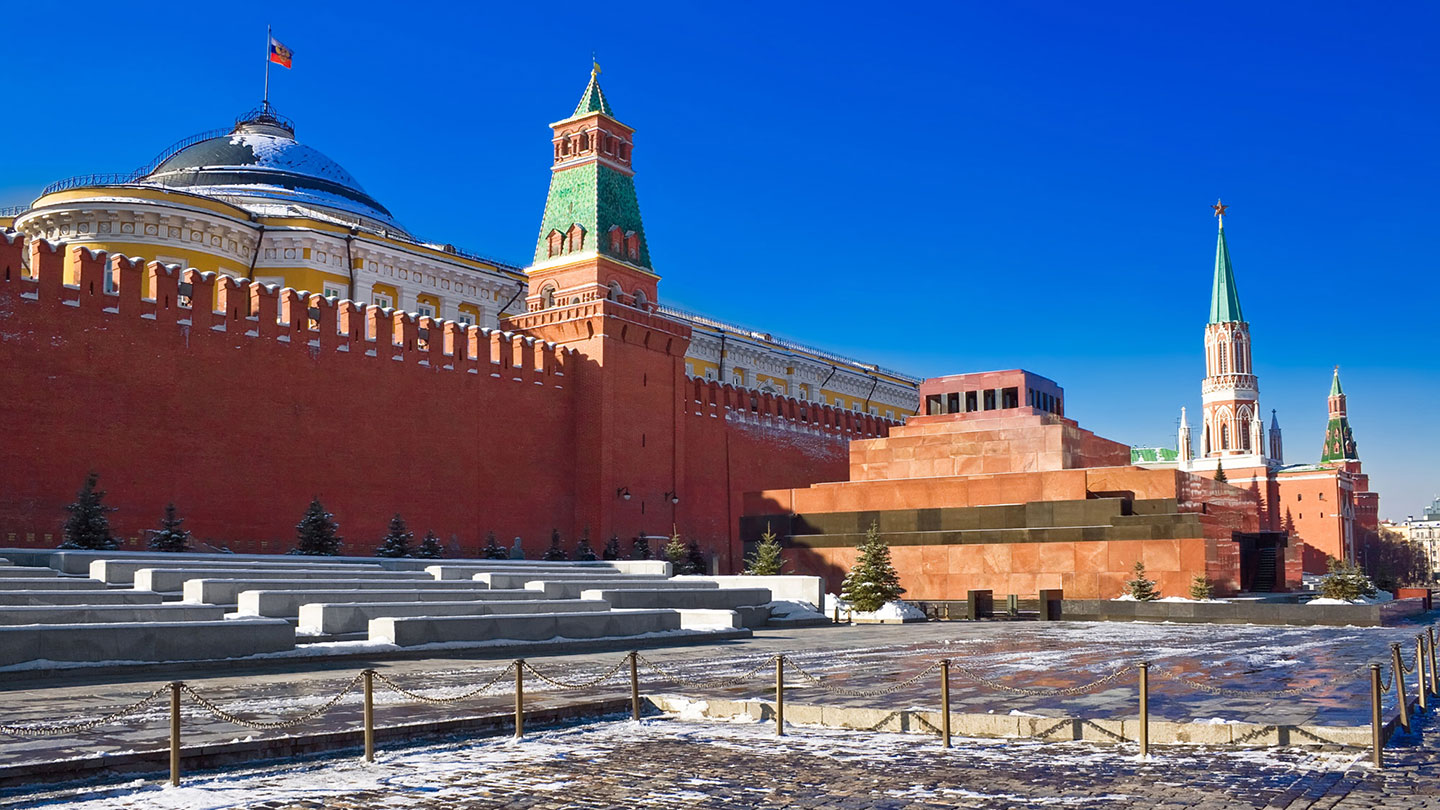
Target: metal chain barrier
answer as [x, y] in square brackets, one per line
[211, 707]
[1362, 671]
[969, 674]
[698, 681]
[1410, 670]
[1388, 681]
[52, 729]
[864, 693]
[580, 684]
[380, 676]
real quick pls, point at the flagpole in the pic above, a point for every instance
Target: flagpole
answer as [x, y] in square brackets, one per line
[265, 101]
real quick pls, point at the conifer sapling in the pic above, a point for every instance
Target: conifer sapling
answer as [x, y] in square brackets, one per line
[170, 537]
[317, 532]
[872, 582]
[1200, 589]
[87, 527]
[695, 562]
[430, 548]
[583, 551]
[766, 561]
[675, 552]
[612, 548]
[640, 547]
[1140, 588]
[398, 539]
[492, 549]
[556, 552]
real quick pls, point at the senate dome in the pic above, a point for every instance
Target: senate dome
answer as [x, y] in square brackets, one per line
[260, 166]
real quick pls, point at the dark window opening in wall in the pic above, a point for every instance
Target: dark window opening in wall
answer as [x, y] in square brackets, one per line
[970, 403]
[952, 402]
[1045, 404]
[1030, 397]
[1059, 407]
[989, 399]
[1010, 398]
[932, 405]
[642, 439]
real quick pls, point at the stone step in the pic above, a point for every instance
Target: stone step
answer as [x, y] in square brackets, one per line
[468, 570]
[123, 571]
[286, 604]
[227, 591]
[411, 632]
[78, 597]
[106, 614]
[169, 580]
[520, 580]
[16, 572]
[572, 588]
[143, 641]
[681, 598]
[332, 619]
[50, 584]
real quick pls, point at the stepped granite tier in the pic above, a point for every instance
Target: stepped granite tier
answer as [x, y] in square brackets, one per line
[50, 584]
[557, 588]
[287, 604]
[106, 614]
[338, 618]
[143, 641]
[227, 591]
[122, 572]
[79, 597]
[172, 580]
[412, 632]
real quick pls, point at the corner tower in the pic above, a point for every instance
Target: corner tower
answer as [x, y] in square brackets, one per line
[591, 243]
[1231, 394]
[1339, 441]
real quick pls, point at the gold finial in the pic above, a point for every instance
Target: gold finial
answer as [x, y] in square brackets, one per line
[1220, 211]
[594, 66]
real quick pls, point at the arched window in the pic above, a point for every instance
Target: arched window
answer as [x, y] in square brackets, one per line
[1224, 358]
[547, 298]
[1244, 433]
[615, 292]
[584, 142]
[1225, 437]
[641, 300]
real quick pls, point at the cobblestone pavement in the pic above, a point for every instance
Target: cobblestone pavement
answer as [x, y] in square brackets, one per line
[1033, 655]
[674, 763]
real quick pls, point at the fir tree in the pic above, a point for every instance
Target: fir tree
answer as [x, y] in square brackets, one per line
[695, 562]
[397, 542]
[612, 548]
[766, 562]
[640, 547]
[872, 581]
[170, 537]
[317, 532]
[1220, 471]
[87, 527]
[430, 548]
[492, 549]
[1200, 589]
[1345, 581]
[583, 551]
[1142, 589]
[556, 552]
[674, 552]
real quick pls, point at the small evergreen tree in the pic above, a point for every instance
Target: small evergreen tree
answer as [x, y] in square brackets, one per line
[872, 581]
[492, 550]
[766, 561]
[517, 551]
[674, 552]
[612, 548]
[397, 542]
[695, 562]
[556, 552]
[1142, 589]
[170, 537]
[640, 547]
[583, 551]
[317, 532]
[87, 527]
[1345, 581]
[1220, 471]
[430, 548]
[1200, 589]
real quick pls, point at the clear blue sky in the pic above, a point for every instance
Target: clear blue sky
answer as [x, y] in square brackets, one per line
[941, 189]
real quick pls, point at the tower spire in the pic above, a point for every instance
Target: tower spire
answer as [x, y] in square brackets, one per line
[1339, 440]
[1225, 297]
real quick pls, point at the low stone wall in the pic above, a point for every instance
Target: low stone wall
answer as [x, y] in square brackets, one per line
[334, 619]
[172, 580]
[796, 588]
[1242, 612]
[79, 597]
[49, 584]
[539, 627]
[103, 614]
[227, 591]
[286, 604]
[681, 598]
[122, 572]
[572, 588]
[150, 641]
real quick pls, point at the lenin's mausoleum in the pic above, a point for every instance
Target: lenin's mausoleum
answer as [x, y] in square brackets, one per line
[238, 327]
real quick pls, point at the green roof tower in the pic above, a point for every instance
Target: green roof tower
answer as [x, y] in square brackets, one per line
[1339, 440]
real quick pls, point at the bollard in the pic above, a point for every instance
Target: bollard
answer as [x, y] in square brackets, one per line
[1400, 685]
[945, 703]
[1434, 687]
[837, 612]
[779, 696]
[1376, 743]
[1144, 709]
[369, 715]
[634, 686]
[519, 697]
[1421, 687]
[175, 733]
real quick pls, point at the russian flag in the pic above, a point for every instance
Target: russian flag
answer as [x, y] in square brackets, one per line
[279, 54]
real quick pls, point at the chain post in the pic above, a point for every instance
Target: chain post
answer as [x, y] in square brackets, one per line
[945, 703]
[1434, 687]
[519, 697]
[1376, 743]
[1421, 688]
[369, 715]
[837, 612]
[779, 696]
[634, 685]
[1399, 668]
[175, 733]
[1144, 709]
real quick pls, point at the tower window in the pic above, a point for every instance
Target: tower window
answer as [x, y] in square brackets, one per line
[547, 298]
[1224, 360]
[1224, 437]
[632, 244]
[555, 242]
[617, 240]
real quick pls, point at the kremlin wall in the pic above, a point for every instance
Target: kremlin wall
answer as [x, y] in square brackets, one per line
[578, 403]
